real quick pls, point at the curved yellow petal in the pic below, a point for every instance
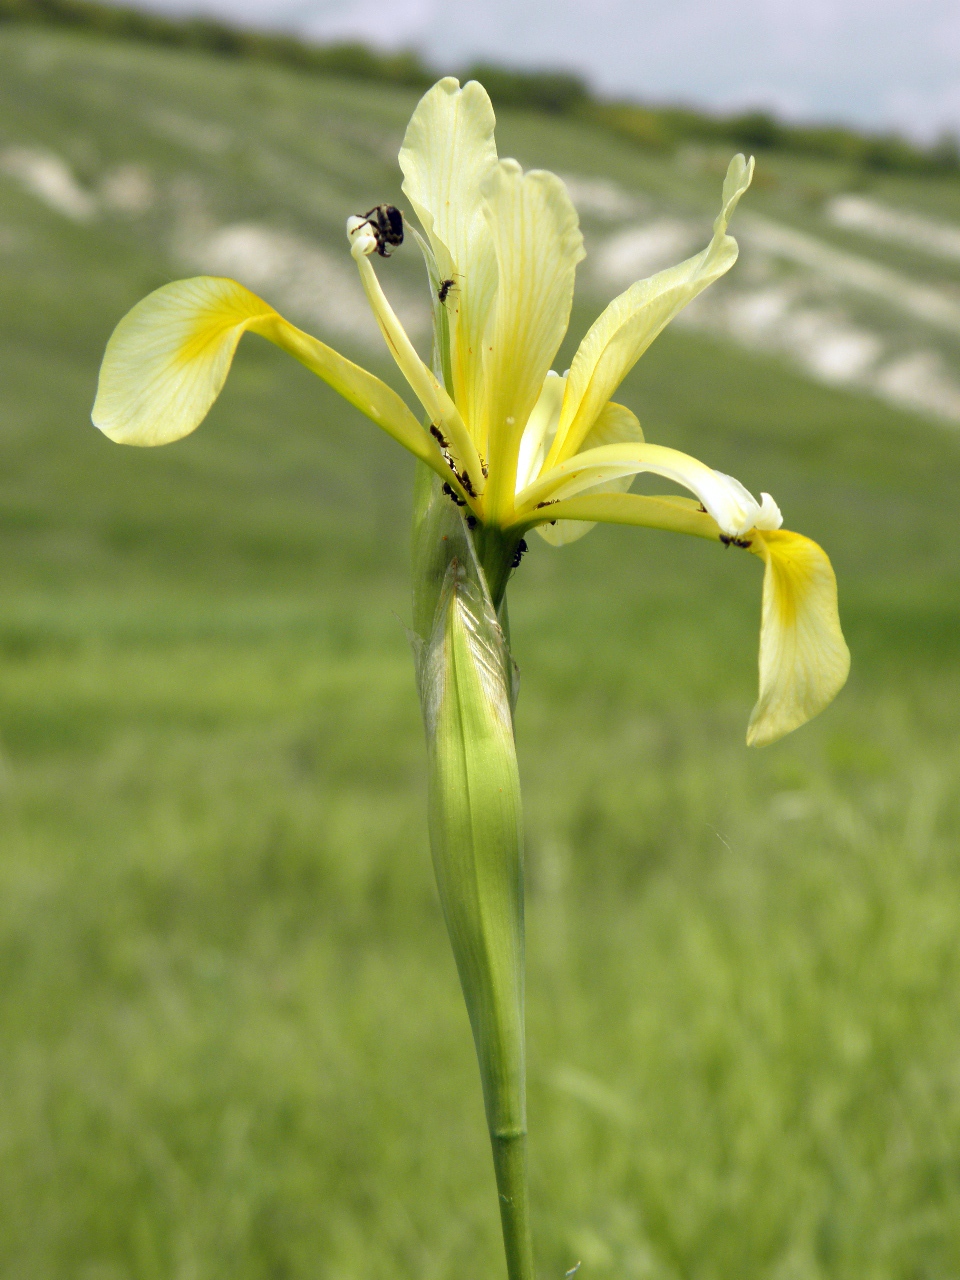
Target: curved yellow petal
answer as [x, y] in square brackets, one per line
[538, 244]
[616, 425]
[619, 337]
[732, 506]
[804, 659]
[448, 151]
[168, 358]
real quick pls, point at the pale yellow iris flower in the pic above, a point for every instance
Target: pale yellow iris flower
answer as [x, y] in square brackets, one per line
[519, 446]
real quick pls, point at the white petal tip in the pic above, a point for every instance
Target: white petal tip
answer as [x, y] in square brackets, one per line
[362, 240]
[769, 516]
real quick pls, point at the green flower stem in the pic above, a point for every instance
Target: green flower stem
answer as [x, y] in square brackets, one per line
[510, 1165]
[467, 687]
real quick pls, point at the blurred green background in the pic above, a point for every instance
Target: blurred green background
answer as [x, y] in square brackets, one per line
[231, 1038]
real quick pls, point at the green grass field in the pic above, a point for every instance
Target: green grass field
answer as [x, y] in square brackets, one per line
[232, 1045]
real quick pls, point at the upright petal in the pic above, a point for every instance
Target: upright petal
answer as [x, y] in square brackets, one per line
[538, 244]
[804, 658]
[630, 323]
[448, 151]
[168, 358]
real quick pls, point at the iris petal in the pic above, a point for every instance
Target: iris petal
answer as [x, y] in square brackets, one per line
[537, 238]
[619, 337]
[804, 659]
[616, 425]
[727, 501]
[168, 358]
[448, 151]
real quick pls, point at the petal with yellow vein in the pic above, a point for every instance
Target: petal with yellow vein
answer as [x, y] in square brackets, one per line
[804, 659]
[168, 358]
[448, 151]
[538, 244]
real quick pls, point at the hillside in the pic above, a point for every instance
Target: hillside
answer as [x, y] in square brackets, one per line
[232, 1037]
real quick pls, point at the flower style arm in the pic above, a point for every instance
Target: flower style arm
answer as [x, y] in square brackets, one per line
[168, 358]
[804, 660]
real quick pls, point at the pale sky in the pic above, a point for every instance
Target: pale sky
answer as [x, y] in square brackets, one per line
[871, 62]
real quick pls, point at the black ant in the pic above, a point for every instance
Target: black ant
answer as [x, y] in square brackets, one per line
[465, 482]
[518, 554]
[386, 223]
[734, 542]
[458, 501]
[444, 290]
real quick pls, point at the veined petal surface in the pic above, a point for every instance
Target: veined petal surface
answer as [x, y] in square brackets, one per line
[628, 326]
[448, 151]
[168, 358]
[804, 659]
[536, 235]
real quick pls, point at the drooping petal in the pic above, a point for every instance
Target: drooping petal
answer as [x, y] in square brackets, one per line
[448, 151]
[630, 323]
[616, 425]
[423, 381]
[804, 659]
[538, 244]
[168, 358]
[723, 499]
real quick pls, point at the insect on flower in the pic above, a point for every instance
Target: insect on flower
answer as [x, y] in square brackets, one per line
[525, 449]
[386, 223]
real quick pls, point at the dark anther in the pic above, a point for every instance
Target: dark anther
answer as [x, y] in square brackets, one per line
[518, 554]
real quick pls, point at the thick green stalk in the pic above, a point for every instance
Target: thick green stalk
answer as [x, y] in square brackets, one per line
[467, 685]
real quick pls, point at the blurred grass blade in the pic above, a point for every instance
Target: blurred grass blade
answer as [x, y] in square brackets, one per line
[464, 678]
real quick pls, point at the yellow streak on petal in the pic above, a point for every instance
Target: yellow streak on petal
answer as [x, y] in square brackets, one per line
[804, 659]
[168, 358]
